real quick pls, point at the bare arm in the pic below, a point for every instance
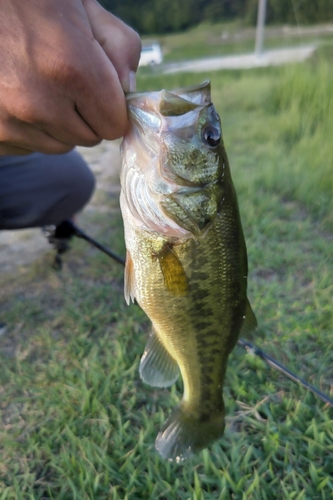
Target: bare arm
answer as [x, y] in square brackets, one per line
[64, 65]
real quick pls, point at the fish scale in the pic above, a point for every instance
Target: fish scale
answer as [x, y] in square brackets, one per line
[186, 259]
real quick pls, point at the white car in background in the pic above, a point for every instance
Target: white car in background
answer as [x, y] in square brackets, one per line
[151, 55]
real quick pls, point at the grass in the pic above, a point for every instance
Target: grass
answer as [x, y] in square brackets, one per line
[76, 422]
[221, 39]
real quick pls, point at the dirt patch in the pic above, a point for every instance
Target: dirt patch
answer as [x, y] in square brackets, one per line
[19, 248]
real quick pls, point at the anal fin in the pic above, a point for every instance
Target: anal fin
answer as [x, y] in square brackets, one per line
[157, 367]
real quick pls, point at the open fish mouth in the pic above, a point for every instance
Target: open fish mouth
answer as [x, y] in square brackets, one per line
[197, 94]
[149, 108]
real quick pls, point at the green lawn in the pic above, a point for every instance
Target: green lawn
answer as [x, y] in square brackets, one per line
[223, 39]
[76, 422]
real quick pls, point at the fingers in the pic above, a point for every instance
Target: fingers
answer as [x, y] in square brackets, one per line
[63, 85]
[100, 103]
[92, 80]
[21, 136]
[40, 127]
[120, 42]
[6, 149]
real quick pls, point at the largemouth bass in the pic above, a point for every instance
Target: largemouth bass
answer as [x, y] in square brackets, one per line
[186, 262]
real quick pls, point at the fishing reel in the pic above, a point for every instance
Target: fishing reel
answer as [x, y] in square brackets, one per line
[59, 237]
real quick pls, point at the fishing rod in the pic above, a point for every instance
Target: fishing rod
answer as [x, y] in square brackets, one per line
[279, 367]
[67, 229]
[80, 234]
[60, 237]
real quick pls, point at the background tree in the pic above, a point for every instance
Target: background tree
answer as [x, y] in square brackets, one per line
[166, 16]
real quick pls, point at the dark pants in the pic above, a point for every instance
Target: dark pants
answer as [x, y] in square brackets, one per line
[40, 190]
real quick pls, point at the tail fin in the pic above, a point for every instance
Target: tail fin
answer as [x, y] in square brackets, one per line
[186, 433]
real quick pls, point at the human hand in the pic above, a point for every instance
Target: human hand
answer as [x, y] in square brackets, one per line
[64, 67]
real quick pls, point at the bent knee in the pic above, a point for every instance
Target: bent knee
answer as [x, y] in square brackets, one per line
[76, 176]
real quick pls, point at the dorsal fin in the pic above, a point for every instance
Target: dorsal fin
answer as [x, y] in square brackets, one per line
[249, 323]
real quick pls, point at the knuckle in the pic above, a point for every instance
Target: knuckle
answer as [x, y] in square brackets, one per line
[25, 110]
[134, 39]
[60, 67]
[136, 45]
[137, 41]
[65, 72]
[28, 114]
[116, 133]
[132, 44]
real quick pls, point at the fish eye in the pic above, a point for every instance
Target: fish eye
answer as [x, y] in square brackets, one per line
[211, 135]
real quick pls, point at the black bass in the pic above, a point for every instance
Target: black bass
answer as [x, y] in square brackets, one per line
[186, 262]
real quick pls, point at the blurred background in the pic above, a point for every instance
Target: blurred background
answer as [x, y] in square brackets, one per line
[171, 16]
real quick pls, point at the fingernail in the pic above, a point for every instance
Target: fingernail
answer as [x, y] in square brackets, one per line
[132, 81]
[129, 85]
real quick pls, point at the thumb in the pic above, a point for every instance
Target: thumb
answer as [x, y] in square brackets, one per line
[120, 43]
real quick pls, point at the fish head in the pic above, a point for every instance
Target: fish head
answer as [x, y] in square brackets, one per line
[175, 143]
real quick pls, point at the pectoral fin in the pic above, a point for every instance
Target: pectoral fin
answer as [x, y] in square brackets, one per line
[249, 323]
[129, 285]
[175, 278]
[157, 367]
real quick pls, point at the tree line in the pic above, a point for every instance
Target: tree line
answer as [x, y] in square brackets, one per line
[167, 16]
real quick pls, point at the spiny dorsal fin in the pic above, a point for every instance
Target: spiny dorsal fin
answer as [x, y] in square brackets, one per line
[157, 367]
[175, 278]
[129, 279]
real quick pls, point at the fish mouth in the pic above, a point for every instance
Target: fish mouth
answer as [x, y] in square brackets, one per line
[193, 93]
[150, 107]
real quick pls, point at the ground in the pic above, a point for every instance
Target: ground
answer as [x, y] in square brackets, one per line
[19, 248]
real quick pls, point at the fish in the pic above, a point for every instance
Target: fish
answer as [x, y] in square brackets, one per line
[186, 260]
